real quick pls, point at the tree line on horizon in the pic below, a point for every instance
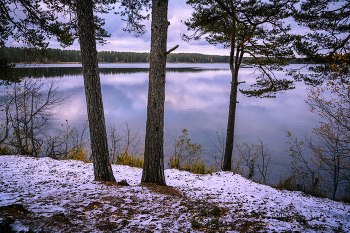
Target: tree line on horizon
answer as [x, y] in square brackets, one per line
[20, 55]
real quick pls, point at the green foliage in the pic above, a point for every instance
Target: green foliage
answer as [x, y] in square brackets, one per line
[123, 183]
[187, 156]
[216, 211]
[255, 28]
[213, 223]
[328, 24]
[211, 210]
[39, 21]
[264, 86]
[36, 24]
[136, 14]
[195, 224]
[18, 55]
[7, 72]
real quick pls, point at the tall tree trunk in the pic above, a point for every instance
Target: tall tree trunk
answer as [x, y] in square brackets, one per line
[235, 63]
[232, 110]
[153, 167]
[98, 135]
[226, 166]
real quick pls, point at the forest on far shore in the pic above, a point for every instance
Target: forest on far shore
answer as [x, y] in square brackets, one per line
[19, 55]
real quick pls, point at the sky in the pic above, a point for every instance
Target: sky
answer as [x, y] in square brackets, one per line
[178, 12]
[122, 41]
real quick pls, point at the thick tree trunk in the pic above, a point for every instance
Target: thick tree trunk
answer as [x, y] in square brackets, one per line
[98, 135]
[153, 167]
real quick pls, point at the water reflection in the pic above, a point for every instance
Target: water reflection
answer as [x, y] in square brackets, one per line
[47, 72]
[197, 98]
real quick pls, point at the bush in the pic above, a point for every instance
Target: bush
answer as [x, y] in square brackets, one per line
[124, 148]
[187, 156]
[123, 183]
[129, 159]
[5, 150]
[195, 223]
[80, 153]
[288, 183]
[69, 143]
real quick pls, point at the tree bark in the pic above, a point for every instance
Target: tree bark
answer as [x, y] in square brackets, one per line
[98, 135]
[235, 63]
[153, 167]
[226, 166]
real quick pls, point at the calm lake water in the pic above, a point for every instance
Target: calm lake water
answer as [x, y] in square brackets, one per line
[197, 99]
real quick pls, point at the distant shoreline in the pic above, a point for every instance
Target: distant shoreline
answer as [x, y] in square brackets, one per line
[53, 63]
[58, 56]
[58, 63]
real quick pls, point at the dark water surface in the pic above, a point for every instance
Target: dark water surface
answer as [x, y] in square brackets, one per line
[197, 99]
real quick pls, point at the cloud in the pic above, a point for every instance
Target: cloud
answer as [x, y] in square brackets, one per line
[122, 41]
[178, 12]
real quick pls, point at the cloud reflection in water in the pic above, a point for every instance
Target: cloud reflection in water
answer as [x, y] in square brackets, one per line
[197, 98]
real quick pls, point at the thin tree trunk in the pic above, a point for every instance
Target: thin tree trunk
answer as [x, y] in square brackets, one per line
[226, 166]
[231, 123]
[153, 167]
[98, 135]
[232, 110]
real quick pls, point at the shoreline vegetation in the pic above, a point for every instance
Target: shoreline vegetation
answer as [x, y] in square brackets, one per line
[35, 63]
[17, 55]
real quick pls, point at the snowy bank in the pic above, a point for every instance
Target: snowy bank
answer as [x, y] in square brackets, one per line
[62, 196]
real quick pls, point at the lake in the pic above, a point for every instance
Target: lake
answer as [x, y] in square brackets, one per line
[197, 99]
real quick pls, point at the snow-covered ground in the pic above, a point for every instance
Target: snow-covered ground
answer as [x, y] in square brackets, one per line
[62, 196]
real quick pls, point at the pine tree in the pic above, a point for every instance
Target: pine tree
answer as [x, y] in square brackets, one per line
[254, 28]
[98, 135]
[153, 167]
[39, 24]
[328, 38]
[326, 47]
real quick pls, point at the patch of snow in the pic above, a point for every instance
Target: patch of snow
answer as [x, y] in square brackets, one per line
[46, 187]
[17, 226]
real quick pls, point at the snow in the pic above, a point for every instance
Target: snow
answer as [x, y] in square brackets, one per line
[47, 188]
